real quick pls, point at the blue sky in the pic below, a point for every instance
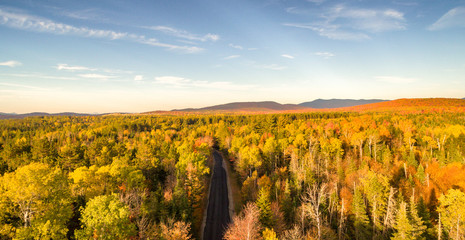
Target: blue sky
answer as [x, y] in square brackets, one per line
[136, 56]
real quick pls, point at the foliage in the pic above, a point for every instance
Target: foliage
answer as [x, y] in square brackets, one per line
[158, 165]
[105, 217]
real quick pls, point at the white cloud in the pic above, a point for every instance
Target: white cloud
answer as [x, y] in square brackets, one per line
[454, 18]
[231, 57]
[287, 56]
[66, 67]
[23, 86]
[38, 24]
[185, 34]
[275, 67]
[395, 79]
[331, 31]
[180, 82]
[171, 80]
[316, 1]
[85, 14]
[349, 23]
[39, 75]
[96, 76]
[236, 46]
[11, 63]
[154, 42]
[138, 78]
[325, 55]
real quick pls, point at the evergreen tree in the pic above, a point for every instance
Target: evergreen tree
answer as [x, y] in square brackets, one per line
[416, 221]
[404, 229]
[361, 221]
[264, 205]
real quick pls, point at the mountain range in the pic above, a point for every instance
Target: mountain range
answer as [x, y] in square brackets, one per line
[40, 114]
[410, 105]
[270, 106]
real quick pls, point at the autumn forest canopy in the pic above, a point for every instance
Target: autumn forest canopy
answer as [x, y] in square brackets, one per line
[315, 175]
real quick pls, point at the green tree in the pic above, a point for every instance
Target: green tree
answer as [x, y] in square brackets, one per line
[404, 229]
[264, 205]
[416, 221]
[105, 217]
[42, 197]
[452, 210]
[361, 221]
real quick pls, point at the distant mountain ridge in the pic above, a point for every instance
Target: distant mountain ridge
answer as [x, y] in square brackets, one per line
[41, 114]
[247, 106]
[274, 106]
[339, 103]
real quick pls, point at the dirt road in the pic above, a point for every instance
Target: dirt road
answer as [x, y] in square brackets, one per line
[218, 203]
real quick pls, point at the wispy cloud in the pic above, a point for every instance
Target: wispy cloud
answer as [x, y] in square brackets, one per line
[11, 63]
[97, 76]
[138, 78]
[274, 67]
[316, 1]
[236, 46]
[231, 57]
[185, 34]
[85, 14]
[287, 56]
[325, 55]
[395, 79]
[39, 75]
[37, 24]
[66, 67]
[23, 86]
[454, 18]
[180, 82]
[341, 22]
[330, 31]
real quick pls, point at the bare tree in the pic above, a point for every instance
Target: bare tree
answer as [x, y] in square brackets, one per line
[245, 226]
[389, 218]
[172, 230]
[294, 233]
[311, 203]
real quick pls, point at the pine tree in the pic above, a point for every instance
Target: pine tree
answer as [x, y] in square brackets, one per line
[361, 222]
[416, 221]
[264, 204]
[404, 229]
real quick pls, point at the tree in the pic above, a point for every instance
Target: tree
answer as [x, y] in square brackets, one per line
[245, 226]
[452, 210]
[264, 204]
[269, 234]
[171, 230]
[292, 234]
[105, 217]
[404, 228]
[312, 203]
[42, 196]
[415, 219]
[376, 189]
[361, 221]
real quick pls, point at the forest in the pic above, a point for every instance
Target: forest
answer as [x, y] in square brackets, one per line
[319, 175]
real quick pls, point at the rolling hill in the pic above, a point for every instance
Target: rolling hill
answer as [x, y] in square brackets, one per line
[270, 106]
[339, 103]
[267, 106]
[40, 114]
[412, 105]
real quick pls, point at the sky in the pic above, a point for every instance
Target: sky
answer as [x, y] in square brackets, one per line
[102, 56]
